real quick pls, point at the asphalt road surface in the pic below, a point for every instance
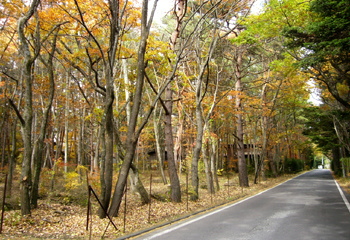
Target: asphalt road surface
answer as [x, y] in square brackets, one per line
[310, 206]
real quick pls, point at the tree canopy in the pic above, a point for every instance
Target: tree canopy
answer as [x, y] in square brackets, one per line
[324, 44]
[97, 86]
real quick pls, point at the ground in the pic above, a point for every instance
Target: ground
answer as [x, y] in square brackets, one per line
[59, 220]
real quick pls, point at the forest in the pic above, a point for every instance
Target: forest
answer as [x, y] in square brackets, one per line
[104, 94]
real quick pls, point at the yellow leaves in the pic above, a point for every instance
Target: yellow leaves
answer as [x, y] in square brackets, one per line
[343, 89]
[72, 180]
[50, 17]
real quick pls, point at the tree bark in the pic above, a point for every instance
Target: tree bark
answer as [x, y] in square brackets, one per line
[137, 185]
[26, 121]
[132, 134]
[169, 142]
[242, 164]
[39, 147]
[213, 159]
[159, 150]
[198, 145]
[12, 160]
[208, 167]
[107, 177]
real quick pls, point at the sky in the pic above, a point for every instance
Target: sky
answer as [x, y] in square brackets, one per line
[164, 6]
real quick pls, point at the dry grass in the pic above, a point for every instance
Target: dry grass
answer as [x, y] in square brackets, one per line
[344, 183]
[53, 220]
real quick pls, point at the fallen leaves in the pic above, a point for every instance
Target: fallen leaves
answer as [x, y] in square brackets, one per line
[57, 221]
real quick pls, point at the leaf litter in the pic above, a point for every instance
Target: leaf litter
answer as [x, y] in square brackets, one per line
[53, 220]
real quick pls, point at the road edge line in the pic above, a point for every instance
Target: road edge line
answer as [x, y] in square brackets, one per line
[215, 211]
[347, 204]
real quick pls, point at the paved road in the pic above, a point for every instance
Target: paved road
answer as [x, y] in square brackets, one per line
[308, 207]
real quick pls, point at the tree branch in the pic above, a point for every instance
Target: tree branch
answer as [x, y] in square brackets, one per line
[17, 111]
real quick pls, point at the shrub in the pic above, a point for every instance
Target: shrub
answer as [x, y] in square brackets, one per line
[292, 165]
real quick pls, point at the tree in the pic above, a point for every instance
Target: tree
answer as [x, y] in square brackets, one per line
[320, 129]
[93, 54]
[39, 146]
[211, 21]
[271, 72]
[179, 12]
[242, 165]
[323, 46]
[133, 133]
[26, 120]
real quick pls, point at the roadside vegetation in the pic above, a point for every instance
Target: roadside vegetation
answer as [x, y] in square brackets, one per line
[62, 212]
[98, 100]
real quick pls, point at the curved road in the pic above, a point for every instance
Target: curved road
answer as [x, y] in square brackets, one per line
[310, 206]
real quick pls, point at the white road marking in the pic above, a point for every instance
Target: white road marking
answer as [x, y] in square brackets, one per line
[211, 213]
[343, 196]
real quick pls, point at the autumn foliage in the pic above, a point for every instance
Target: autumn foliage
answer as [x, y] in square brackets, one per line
[92, 93]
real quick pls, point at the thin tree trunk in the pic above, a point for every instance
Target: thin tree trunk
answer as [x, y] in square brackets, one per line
[135, 181]
[12, 160]
[198, 147]
[26, 121]
[127, 92]
[169, 142]
[208, 167]
[4, 140]
[159, 150]
[66, 126]
[132, 134]
[255, 154]
[178, 142]
[213, 159]
[96, 151]
[59, 143]
[80, 150]
[39, 147]
[242, 165]
[137, 185]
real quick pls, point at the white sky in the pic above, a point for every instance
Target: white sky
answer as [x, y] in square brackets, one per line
[314, 97]
[164, 6]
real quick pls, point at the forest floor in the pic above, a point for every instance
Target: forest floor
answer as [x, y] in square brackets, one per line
[57, 219]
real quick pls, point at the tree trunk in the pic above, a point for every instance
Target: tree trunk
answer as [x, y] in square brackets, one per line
[66, 126]
[109, 64]
[132, 134]
[12, 160]
[5, 139]
[137, 185]
[273, 166]
[169, 142]
[40, 144]
[80, 139]
[122, 178]
[213, 159]
[198, 147]
[107, 173]
[256, 155]
[26, 121]
[208, 167]
[160, 152]
[336, 164]
[242, 165]
[178, 142]
[96, 151]
[135, 181]
[59, 143]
